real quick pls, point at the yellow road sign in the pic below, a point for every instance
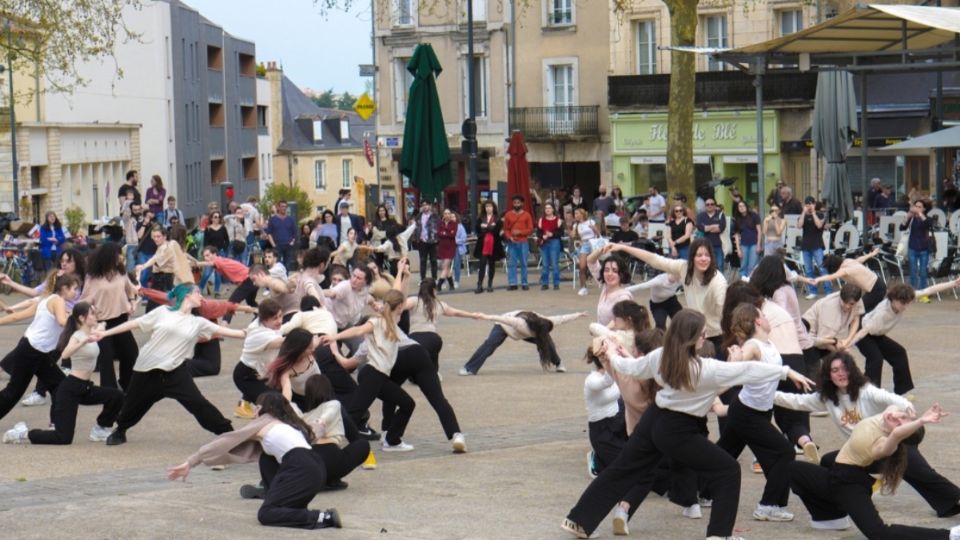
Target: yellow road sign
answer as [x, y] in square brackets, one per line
[365, 106]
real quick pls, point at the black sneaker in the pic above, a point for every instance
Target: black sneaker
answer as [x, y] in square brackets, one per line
[525, 287]
[368, 433]
[248, 491]
[116, 438]
[478, 291]
[512, 288]
[544, 287]
[556, 287]
[489, 288]
[329, 518]
[336, 486]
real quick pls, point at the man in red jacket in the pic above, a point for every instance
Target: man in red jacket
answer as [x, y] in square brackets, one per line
[517, 227]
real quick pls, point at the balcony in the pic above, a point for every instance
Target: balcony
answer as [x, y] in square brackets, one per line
[217, 143]
[566, 123]
[722, 88]
[248, 142]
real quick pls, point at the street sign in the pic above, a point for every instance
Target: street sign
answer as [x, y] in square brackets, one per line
[365, 106]
[367, 70]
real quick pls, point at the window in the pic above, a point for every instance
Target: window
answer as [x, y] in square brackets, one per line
[479, 85]
[715, 29]
[559, 12]
[402, 80]
[479, 10]
[261, 116]
[344, 129]
[561, 85]
[317, 131]
[646, 47]
[406, 13]
[791, 20]
[320, 175]
[347, 166]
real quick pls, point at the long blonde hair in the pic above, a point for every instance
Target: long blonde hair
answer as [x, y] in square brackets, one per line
[391, 301]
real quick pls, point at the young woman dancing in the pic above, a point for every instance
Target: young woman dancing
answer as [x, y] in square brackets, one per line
[843, 492]
[78, 344]
[171, 266]
[424, 310]
[279, 432]
[614, 275]
[259, 349]
[521, 325]
[847, 396]
[855, 271]
[675, 425]
[159, 371]
[663, 297]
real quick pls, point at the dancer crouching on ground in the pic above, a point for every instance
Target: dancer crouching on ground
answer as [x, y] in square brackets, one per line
[279, 432]
[675, 425]
[159, 372]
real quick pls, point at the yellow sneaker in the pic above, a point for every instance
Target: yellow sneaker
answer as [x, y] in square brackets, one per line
[370, 463]
[924, 300]
[877, 484]
[244, 409]
[757, 469]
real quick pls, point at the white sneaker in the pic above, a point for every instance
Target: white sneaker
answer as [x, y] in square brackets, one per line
[843, 523]
[810, 296]
[401, 447]
[692, 512]
[771, 513]
[463, 372]
[583, 291]
[459, 443]
[99, 434]
[705, 503]
[955, 533]
[620, 518]
[34, 399]
[16, 435]
[560, 368]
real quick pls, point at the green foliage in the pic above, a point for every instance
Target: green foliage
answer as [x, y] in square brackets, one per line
[261, 71]
[284, 192]
[327, 99]
[345, 101]
[76, 219]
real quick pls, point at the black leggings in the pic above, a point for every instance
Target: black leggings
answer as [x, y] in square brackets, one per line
[299, 477]
[248, 381]
[206, 359]
[845, 490]
[428, 252]
[413, 363]
[432, 342]
[245, 292]
[875, 350]
[337, 462]
[160, 281]
[487, 267]
[72, 393]
[149, 387]
[661, 311]
[22, 363]
[344, 387]
[793, 424]
[372, 384]
[121, 346]
[874, 296]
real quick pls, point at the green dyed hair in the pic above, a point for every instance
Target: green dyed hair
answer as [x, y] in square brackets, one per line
[178, 293]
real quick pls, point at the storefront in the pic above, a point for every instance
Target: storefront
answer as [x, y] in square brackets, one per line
[724, 146]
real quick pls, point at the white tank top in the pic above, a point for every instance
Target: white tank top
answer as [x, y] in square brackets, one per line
[759, 397]
[281, 438]
[84, 358]
[44, 332]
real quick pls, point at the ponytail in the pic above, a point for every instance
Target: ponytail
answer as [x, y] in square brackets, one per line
[80, 310]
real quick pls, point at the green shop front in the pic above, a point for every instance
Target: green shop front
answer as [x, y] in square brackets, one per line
[724, 146]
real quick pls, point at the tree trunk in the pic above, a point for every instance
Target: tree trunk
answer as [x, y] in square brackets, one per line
[683, 72]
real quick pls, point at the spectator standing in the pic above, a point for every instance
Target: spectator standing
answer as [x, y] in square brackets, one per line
[619, 204]
[575, 201]
[237, 233]
[170, 213]
[746, 236]
[603, 202]
[711, 222]
[215, 237]
[51, 240]
[811, 244]
[346, 221]
[129, 188]
[774, 198]
[281, 231]
[789, 205]
[517, 228]
[918, 244]
[773, 228]
[655, 205]
[489, 248]
[549, 232]
[461, 240]
[155, 195]
[425, 237]
[146, 247]
[871, 198]
[681, 231]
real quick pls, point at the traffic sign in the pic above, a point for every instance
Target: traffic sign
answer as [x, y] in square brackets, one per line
[365, 106]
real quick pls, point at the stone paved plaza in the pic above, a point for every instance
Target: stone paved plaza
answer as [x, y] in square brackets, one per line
[526, 435]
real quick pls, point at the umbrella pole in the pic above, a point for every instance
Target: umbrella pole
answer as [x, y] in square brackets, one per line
[865, 228]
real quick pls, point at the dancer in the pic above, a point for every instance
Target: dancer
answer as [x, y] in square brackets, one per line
[663, 297]
[341, 451]
[235, 272]
[171, 266]
[614, 276]
[34, 352]
[835, 496]
[281, 433]
[76, 343]
[675, 425]
[847, 397]
[159, 372]
[854, 271]
[384, 231]
[521, 325]
[259, 349]
[424, 309]
[293, 365]
[489, 247]
[834, 320]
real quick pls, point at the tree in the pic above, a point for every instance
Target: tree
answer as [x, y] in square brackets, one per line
[327, 99]
[683, 78]
[285, 192]
[345, 101]
[56, 37]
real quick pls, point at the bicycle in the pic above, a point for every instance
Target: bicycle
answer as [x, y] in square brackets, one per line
[15, 262]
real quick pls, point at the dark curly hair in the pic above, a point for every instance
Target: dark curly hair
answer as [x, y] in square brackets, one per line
[104, 262]
[769, 275]
[855, 378]
[623, 268]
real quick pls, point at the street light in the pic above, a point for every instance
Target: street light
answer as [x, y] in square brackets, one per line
[469, 145]
[13, 135]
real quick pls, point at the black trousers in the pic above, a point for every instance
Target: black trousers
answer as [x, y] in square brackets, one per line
[149, 387]
[342, 461]
[661, 311]
[121, 347]
[846, 490]
[811, 361]
[681, 436]
[941, 494]
[248, 381]
[206, 359]
[22, 363]
[875, 296]
[875, 350]
[161, 281]
[486, 267]
[71, 393]
[750, 427]
[428, 252]
[245, 292]
[372, 384]
[607, 438]
[793, 424]
[343, 384]
[300, 476]
[414, 363]
[432, 342]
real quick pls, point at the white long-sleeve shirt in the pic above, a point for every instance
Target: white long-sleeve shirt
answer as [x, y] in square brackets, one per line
[600, 393]
[660, 286]
[517, 328]
[870, 402]
[714, 376]
[707, 299]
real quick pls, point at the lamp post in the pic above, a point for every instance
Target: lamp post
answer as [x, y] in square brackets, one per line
[469, 145]
[13, 125]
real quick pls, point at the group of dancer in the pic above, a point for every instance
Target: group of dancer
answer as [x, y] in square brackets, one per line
[329, 340]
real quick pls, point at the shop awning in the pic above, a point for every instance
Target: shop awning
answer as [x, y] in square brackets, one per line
[662, 160]
[945, 138]
[886, 128]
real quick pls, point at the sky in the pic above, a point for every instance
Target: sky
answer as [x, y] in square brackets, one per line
[316, 51]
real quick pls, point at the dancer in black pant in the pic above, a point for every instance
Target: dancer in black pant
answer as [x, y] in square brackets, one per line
[855, 271]
[77, 343]
[259, 349]
[277, 431]
[34, 353]
[842, 493]
[424, 310]
[847, 396]
[663, 297]
[159, 372]
[489, 248]
[675, 425]
[521, 325]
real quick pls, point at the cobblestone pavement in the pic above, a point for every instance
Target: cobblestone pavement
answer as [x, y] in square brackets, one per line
[526, 433]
